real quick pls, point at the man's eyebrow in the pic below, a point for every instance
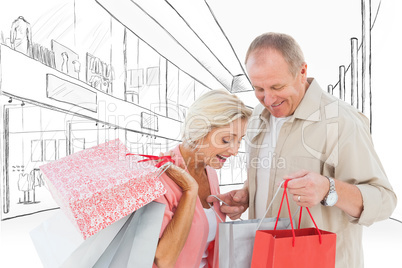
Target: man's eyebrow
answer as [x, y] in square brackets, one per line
[277, 85]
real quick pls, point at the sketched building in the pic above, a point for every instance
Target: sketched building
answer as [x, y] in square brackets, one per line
[82, 73]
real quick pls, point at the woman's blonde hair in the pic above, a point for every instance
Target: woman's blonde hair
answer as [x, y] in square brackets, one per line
[213, 109]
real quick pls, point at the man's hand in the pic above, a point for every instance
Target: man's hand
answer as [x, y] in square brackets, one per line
[313, 187]
[308, 188]
[237, 201]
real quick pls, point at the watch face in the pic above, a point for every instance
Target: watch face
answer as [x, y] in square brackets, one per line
[332, 198]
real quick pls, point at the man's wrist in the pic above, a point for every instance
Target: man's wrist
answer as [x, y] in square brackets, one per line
[331, 197]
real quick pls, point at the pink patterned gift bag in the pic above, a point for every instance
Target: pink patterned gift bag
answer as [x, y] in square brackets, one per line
[100, 185]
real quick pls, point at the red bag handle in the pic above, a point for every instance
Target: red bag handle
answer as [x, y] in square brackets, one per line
[165, 159]
[285, 193]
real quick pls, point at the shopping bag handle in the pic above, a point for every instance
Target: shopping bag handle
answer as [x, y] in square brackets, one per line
[285, 193]
[270, 205]
[163, 165]
[165, 159]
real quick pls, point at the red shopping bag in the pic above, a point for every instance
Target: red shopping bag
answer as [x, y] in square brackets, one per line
[308, 247]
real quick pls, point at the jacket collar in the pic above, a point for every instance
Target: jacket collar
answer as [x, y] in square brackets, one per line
[308, 109]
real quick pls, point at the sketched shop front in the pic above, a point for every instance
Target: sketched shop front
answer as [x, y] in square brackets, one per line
[60, 115]
[77, 93]
[67, 88]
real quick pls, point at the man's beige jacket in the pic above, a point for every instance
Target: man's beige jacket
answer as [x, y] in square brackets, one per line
[327, 136]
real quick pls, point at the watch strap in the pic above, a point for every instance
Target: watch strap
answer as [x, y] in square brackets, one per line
[331, 189]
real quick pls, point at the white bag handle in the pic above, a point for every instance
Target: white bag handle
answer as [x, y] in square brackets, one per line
[270, 204]
[214, 209]
[241, 218]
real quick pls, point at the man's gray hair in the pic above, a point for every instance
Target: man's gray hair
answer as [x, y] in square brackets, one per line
[283, 43]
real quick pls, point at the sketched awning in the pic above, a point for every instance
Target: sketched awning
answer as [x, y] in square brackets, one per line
[187, 34]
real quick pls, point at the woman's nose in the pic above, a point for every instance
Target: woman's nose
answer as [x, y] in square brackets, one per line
[234, 149]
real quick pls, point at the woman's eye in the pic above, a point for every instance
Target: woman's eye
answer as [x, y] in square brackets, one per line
[225, 141]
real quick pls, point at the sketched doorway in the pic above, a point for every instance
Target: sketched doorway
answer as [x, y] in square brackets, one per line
[31, 138]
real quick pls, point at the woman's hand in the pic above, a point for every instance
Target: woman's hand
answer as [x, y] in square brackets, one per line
[177, 173]
[182, 178]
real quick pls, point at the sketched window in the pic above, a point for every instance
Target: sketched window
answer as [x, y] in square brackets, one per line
[50, 150]
[78, 145]
[153, 76]
[62, 148]
[149, 121]
[135, 78]
[156, 148]
[36, 151]
[136, 148]
[239, 168]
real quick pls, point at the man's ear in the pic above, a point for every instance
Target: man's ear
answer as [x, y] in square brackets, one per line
[303, 70]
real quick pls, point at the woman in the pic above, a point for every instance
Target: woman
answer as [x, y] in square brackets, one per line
[214, 127]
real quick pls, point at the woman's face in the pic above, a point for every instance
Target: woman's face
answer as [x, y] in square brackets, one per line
[221, 143]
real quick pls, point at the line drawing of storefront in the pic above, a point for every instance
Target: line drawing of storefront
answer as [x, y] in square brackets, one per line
[79, 91]
[38, 130]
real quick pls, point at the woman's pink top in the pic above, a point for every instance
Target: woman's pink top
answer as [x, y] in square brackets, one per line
[194, 247]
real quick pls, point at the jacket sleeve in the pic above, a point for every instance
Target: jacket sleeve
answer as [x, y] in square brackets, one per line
[359, 164]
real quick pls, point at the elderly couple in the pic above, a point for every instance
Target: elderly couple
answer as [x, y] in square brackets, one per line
[324, 145]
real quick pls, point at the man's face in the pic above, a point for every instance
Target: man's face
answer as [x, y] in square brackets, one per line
[275, 87]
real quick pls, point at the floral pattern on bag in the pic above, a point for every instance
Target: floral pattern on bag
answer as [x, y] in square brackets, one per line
[100, 185]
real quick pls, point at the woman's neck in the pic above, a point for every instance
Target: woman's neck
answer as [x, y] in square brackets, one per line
[194, 163]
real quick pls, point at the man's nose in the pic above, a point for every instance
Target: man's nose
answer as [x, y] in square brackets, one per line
[269, 97]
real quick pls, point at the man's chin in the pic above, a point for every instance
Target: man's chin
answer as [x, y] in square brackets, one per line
[274, 112]
[278, 114]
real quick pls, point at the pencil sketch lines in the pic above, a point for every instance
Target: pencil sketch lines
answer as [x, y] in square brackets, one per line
[361, 99]
[130, 75]
[172, 35]
[245, 86]
[195, 33]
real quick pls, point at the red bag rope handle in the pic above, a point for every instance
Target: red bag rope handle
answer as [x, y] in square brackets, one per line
[285, 193]
[165, 159]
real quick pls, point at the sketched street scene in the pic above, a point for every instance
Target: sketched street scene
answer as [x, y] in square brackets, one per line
[75, 74]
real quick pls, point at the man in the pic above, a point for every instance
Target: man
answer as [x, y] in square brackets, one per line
[322, 144]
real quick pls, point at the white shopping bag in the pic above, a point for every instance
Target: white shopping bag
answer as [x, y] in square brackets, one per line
[136, 243]
[57, 239]
[236, 238]
[129, 242]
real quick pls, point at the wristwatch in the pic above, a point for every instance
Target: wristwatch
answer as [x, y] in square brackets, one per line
[332, 197]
